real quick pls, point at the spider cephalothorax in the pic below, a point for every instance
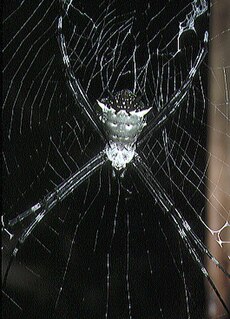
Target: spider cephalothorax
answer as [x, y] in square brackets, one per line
[123, 119]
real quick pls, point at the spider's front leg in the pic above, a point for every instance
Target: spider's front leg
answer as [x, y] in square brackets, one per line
[189, 238]
[41, 209]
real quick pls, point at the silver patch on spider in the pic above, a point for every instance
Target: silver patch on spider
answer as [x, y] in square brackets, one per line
[123, 118]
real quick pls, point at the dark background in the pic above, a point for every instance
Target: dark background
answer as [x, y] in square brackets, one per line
[45, 136]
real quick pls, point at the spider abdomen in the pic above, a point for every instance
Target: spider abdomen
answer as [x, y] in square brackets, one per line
[122, 127]
[123, 120]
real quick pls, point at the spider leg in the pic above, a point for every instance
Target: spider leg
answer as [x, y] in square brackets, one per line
[167, 205]
[175, 102]
[182, 226]
[75, 86]
[41, 209]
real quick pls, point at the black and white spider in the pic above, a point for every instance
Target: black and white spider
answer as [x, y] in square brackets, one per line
[123, 129]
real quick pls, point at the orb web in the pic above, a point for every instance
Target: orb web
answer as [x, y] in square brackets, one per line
[108, 250]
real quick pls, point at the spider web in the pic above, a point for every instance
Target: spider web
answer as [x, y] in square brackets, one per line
[108, 250]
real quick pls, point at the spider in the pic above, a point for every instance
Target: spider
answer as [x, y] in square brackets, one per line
[123, 128]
